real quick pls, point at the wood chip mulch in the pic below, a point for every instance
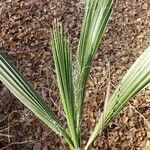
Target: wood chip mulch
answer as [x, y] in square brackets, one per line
[25, 39]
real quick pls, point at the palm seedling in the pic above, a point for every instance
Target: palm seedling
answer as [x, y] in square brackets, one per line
[72, 89]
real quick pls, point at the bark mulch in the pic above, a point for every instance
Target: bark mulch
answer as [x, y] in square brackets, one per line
[25, 39]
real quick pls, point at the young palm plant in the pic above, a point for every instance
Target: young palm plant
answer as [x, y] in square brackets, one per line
[72, 89]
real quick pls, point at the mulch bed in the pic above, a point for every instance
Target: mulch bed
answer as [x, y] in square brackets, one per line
[25, 39]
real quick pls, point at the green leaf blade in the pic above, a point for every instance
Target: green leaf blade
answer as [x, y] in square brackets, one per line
[137, 78]
[96, 17]
[18, 85]
[63, 67]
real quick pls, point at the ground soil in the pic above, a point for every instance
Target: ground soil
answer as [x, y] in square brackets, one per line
[25, 39]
